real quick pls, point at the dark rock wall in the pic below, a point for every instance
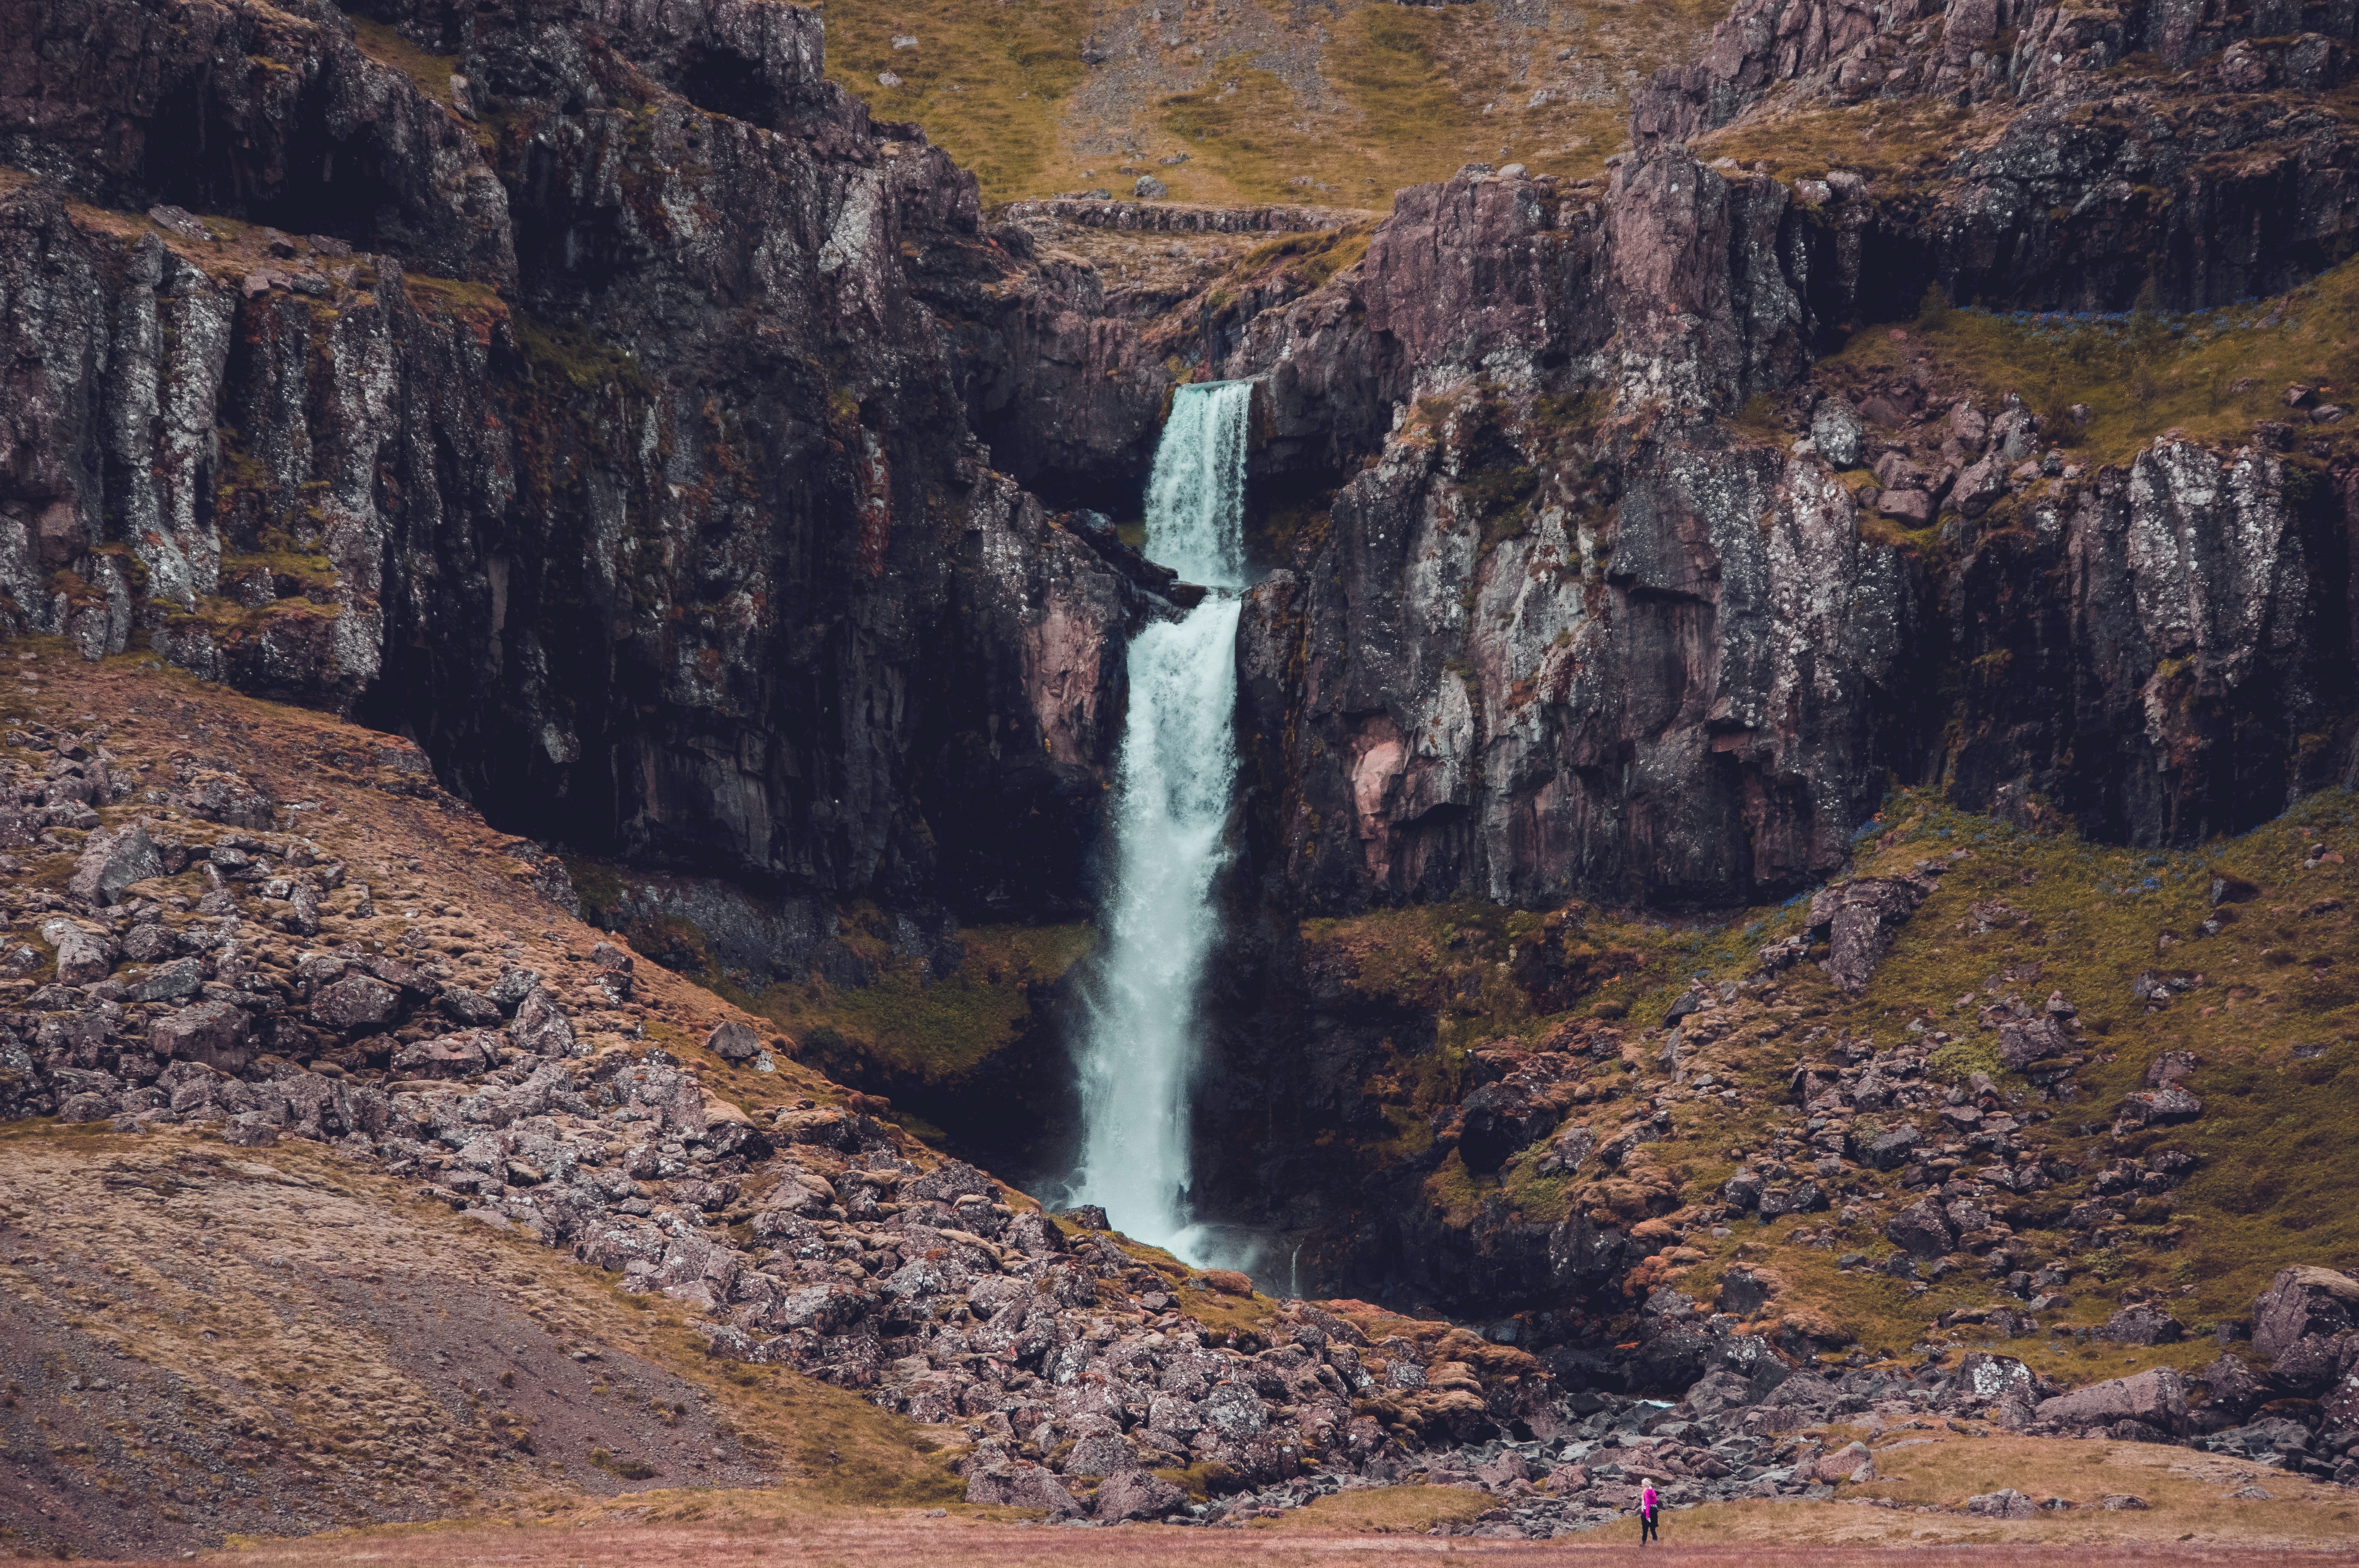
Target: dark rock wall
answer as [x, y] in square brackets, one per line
[621, 464]
[1646, 686]
[2203, 184]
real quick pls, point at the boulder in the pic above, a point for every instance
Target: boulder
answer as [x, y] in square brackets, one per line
[2158, 1108]
[1136, 1495]
[1921, 1230]
[112, 861]
[355, 1003]
[2302, 1300]
[2005, 1504]
[728, 1130]
[2023, 1041]
[733, 1041]
[461, 1005]
[507, 992]
[1860, 918]
[2155, 1397]
[446, 1056]
[1987, 1377]
[251, 1130]
[1836, 431]
[2142, 1324]
[167, 982]
[1889, 1150]
[1913, 507]
[540, 1027]
[2338, 1408]
[1744, 1292]
[2234, 1389]
[1103, 1453]
[2263, 1440]
[226, 798]
[83, 956]
[1851, 1463]
[1034, 1234]
[2311, 1363]
[89, 1106]
[1020, 1486]
[212, 1033]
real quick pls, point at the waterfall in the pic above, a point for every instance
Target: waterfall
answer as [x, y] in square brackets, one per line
[1137, 1062]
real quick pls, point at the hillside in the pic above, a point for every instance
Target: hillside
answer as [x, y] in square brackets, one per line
[1251, 101]
[352, 1180]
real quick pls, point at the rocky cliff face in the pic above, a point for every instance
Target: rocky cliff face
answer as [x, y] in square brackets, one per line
[2037, 155]
[587, 426]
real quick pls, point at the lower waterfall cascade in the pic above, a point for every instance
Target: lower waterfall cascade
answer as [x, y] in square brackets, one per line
[1139, 1053]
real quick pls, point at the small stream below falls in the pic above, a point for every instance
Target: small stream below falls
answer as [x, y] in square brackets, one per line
[1142, 1037]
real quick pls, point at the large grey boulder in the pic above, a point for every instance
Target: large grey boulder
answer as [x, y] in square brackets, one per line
[111, 863]
[1860, 919]
[83, 956]
[2302, 1300]
[2155, 1397]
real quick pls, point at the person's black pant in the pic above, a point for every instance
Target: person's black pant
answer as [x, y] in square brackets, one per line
[1647, 1528]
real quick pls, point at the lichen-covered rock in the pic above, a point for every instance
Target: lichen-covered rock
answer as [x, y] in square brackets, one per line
[84, 955]
[357, 1002]
[1859, 921]
[2302, 1300]
[2006, 1503]
[112, 861]
[540, 1026]
[2159, 1108]
[2155, 1397]
[215, 1034]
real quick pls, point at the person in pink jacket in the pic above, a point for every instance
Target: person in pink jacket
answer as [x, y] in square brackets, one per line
[1649, 1505]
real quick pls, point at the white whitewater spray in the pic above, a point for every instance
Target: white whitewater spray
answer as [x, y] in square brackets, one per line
[1171, 807]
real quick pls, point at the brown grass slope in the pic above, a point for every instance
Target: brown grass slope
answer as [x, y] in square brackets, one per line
[1341, 106]
[201, 1340]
